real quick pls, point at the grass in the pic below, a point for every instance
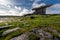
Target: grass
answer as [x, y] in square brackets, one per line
[33, 21]
[33, 37]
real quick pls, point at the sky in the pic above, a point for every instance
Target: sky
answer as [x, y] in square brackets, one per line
[22, 7]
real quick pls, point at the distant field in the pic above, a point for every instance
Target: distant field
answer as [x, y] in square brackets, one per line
[29, 22]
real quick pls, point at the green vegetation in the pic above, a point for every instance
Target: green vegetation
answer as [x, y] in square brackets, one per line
[33, 37]
[29, 22]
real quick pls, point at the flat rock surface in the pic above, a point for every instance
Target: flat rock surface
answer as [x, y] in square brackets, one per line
[9, 31]
[4, 26]
[22, 37]
[43, 35]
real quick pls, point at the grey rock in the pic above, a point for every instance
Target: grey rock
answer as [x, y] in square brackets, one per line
[54, 38]
[5, 26]
[40, 33]
[53, 30]
[43, 34]
[24, 36]
[9, 31]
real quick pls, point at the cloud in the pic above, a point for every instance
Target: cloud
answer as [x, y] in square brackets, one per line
[36, 5]
[5, 2]
[55, 9]
[56, 6]
[18, 8]
[25, 11]
[6, 8]
[36, 1]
